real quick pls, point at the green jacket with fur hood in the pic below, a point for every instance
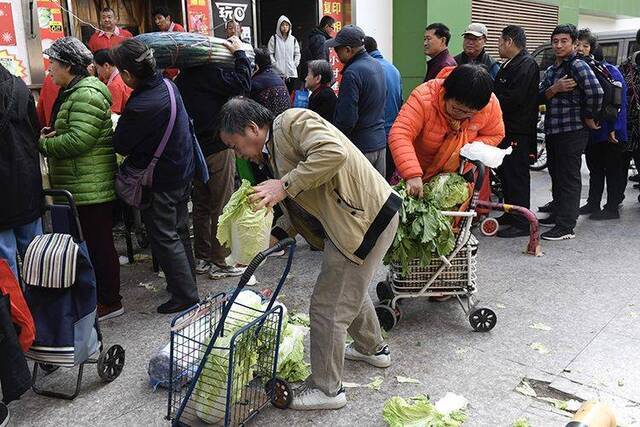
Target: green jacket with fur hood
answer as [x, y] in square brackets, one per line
[80, 155]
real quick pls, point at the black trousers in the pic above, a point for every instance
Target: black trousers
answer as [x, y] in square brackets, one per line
[97, 227]
[564, 160]
[605, 162]
[514, 175]
[167, 222]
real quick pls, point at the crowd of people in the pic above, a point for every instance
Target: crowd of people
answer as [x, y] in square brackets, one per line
[328, 167]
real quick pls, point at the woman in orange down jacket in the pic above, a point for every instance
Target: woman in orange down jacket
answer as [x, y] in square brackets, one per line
[440, 116]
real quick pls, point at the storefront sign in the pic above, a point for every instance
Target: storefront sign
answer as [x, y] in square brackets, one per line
[336, 9]
[240, 11]
[198, 16]
[13, 64]
[50, 23]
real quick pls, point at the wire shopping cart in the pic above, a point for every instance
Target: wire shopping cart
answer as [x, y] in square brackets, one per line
[224, 355]
[445, 276]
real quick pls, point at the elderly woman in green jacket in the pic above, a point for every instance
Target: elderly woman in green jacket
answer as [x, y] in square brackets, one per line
[82, 160]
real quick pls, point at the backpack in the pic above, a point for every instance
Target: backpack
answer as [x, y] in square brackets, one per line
[612, 98]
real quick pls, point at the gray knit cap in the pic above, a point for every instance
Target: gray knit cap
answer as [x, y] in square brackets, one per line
[71, 51]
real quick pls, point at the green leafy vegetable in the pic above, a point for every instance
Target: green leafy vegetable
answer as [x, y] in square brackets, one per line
[291, 364]
[521, 422]
[423, 230]
[419, 412]
[241, 229]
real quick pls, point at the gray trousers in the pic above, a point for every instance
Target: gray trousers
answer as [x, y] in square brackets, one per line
[167, 222]
[340, 303]
[379, 160]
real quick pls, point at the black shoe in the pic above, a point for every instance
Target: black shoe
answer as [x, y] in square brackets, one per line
[548, 208]
[558, 233]
[4, 415]
[174, 307]
[588, 209]
[505, 219]
[513, 231]
[605, 214]
[635, 178]
[549, 221]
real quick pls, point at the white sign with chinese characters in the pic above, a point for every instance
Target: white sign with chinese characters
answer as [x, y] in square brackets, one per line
[229, 11]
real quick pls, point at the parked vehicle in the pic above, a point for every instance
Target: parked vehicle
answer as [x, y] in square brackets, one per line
[541, 151]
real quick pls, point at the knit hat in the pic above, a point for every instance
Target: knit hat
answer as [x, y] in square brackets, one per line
[71, 51]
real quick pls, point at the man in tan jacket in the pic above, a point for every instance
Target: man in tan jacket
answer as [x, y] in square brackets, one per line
[338, 202]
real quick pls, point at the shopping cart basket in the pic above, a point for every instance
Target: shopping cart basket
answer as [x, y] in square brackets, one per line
[453, 275]
[61, 293]
[224, 356]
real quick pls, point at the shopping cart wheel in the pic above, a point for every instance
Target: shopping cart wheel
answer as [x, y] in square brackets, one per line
[48, 368]
[384, 291]
[489, 226]
[110, 363]
[482, 319]
[282, 394]
[387, 316]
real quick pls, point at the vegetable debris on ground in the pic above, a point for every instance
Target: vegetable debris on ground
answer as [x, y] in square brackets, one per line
[418, 411]
[423, 230]
[376, 383]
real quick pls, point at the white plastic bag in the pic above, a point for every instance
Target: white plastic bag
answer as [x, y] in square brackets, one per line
[489, 156]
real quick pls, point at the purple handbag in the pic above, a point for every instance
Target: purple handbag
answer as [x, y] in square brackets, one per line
[132, 182]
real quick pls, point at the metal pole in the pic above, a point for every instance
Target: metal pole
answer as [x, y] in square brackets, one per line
[185, 18]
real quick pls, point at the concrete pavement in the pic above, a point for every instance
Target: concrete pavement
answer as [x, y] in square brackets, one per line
[585, 290]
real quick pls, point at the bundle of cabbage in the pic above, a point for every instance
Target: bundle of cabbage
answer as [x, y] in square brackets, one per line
[241, 229]
[185, 50]
[210, 393]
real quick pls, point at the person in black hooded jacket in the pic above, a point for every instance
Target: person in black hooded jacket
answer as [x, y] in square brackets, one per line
[20, 176]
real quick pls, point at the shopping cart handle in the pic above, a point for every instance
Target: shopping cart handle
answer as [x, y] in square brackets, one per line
[477, 185]
[258, 259]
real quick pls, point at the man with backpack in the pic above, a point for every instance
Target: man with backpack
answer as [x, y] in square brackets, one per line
[604, 149]
[573, 97]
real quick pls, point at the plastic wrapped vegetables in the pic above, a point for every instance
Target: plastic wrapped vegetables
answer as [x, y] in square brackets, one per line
[185, 50]
[241, 229]
[423, 231]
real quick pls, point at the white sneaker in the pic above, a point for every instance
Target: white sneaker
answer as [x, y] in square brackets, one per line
[217, 273]
[307, 399]
[382, 359]
[202, 266]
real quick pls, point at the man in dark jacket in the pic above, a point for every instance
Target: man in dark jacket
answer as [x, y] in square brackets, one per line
[516, 86]
[204, 90]
[475, 39]
[19, 169]
[313, 48]
[318, 81]
[361, 100]
[267, 87]
[436, 42]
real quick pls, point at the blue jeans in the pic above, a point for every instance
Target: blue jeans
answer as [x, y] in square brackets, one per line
[15, 240]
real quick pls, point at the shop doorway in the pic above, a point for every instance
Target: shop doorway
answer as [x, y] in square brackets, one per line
[134, 15]
[303, 15]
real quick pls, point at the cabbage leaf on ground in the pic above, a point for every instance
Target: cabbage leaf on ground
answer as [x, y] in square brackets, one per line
[418, 412]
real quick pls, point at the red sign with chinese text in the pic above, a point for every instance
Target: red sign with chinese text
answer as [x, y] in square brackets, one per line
[336, 9]
[198, 16]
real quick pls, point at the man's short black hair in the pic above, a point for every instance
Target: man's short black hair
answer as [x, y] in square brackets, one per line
[516, 34]
[440, 30]
[586, 35]
[102, 57]
[239, 112]
[569, 29]
[107, 9]
[326, 20]
[470, 85]
[322, 68]
[597, 53]
[370, 44]
[161, 10]
[262, 57]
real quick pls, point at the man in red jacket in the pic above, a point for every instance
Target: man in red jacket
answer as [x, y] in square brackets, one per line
[111, 35]
[164, 22]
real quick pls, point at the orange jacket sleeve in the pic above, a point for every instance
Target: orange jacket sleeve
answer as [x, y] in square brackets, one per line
[493, 131]
[404, 132]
